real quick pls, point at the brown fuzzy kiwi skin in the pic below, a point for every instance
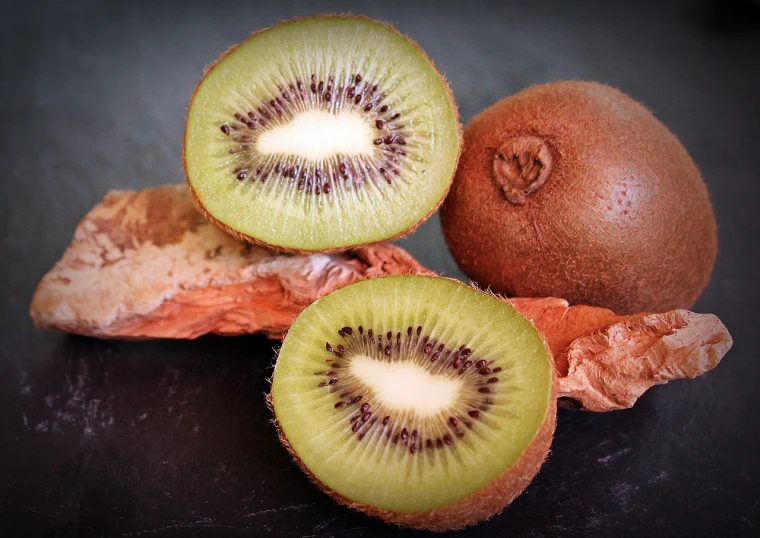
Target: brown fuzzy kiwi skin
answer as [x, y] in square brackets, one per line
[479, 505]
[279, 248]
[624, 220]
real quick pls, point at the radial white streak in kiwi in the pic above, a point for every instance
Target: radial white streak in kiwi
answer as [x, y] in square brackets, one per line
[405, 386]
[318, 135]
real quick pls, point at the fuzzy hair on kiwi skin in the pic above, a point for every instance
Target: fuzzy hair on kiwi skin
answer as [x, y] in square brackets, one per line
[278, 248]
[655, 254]
[479, 505]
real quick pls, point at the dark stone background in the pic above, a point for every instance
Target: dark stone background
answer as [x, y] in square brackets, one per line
[164, 438]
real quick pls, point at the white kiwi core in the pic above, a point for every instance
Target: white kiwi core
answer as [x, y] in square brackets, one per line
[407, 386]
[317, 135]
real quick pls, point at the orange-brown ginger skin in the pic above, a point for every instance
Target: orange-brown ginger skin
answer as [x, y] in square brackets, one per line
[605, 362]
[279, 248]
[474, 508]
[623, 219]
[148, 265]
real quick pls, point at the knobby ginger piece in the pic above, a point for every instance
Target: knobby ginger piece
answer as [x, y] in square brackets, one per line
[148, 265]
[605, 361]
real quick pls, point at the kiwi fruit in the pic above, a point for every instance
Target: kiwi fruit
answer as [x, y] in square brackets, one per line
[321, 134]
[575, 190]
[415, 399]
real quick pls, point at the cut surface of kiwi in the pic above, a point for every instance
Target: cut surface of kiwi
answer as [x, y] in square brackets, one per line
[321, 134]
[416, 399]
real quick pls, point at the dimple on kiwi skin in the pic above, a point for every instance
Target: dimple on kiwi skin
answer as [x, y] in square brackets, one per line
[415, 399]
[321, 134]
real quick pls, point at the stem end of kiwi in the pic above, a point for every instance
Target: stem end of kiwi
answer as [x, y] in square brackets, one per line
[521, 166]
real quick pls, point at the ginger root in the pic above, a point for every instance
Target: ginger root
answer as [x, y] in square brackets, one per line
[148, 265]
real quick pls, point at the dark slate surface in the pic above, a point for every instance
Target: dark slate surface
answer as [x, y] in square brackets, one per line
[163, 438]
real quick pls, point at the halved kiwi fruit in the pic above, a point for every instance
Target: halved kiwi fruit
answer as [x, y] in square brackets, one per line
[321, 134]
[416, 399]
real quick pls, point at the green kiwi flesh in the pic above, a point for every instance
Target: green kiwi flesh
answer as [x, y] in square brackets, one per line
[321, 134]
[415, 399]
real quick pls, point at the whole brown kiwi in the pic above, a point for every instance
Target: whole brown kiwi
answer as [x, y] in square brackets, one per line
[575, 190]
